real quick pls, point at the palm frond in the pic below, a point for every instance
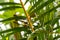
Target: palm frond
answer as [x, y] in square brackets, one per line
[9, 3]
[10, 8]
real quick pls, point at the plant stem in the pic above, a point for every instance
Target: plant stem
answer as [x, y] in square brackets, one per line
[28, 17]
[17, 35]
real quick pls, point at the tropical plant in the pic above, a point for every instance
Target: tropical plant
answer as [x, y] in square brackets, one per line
[39, 22]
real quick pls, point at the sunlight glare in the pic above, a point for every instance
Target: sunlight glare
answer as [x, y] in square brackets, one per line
[17, 1]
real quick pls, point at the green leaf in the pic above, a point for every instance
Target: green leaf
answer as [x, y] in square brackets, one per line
[18, 29]
[35, 5]
[57, 28]
[7, 35]
[55, 20]
[10, 8]
[26, 1]
[19, 10]
[2, 1]
[56, 37]
[52, 22]
[50, 10]
[8, 13]
[35, 34]
[12, 18]
[9, 3]
[41, 6]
